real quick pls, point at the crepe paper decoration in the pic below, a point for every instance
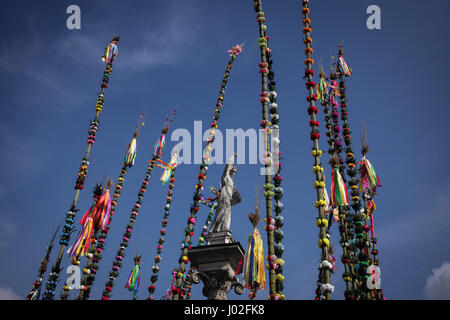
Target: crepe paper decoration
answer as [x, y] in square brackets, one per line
[339, 195]
[345, 69]
[177, 291]
[188, 284]
[211, 202]
[82, 173]
[85, 237]
[172, 287]
[117, 264]
[130, 155]
[253, 265]
[93, 220]
[273, 193]
[159, 146]
[320, 203]
[111, 52]
[368, 179]
[168, 168]
[163, 231]
[254, 270]
[94, 254]
[35, 291]
[134, 278]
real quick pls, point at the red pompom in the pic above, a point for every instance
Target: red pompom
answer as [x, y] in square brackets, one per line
[309, 72]
[315, 135]
[310, 84]
[312, 109]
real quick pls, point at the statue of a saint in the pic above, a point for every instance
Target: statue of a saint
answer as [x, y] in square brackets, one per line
[228, 197]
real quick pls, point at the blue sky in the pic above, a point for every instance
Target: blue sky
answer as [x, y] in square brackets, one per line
[174, 53]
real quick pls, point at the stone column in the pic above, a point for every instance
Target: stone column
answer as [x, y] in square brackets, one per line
[216, 265]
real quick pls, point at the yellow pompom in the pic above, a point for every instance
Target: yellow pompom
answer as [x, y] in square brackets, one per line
[280, 261]
[325, 222]
[318, 223]
[317, 153]
[279, 277]
[323, 243]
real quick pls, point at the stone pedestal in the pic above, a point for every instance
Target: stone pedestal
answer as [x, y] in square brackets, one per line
[219, 238]
[216, 264]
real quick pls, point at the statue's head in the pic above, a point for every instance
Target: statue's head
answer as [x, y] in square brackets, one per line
[233, 170]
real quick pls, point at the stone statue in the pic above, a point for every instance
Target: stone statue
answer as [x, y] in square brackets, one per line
[228, 197]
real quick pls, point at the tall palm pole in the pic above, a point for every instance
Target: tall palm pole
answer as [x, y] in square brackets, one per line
[95, 252]
[109, 57]
[170, 174]
[117, 264]
[368, 184]
[177, 290]
[361, 230]
[35, 291]
[326, 94]
[86, 236]
[273, 192]
[325, 286]
[211, 203]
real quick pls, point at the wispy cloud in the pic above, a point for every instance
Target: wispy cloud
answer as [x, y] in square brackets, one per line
[437, 286]
[6, 293]
[164, 46]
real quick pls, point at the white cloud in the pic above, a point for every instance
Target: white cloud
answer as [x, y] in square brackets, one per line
[164, 46]
[6, 293]
[437, 286]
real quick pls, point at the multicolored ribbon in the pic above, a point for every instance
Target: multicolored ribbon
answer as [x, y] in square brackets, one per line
[254, 270]
[134, 278]
[168, 168]
[339, 195]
